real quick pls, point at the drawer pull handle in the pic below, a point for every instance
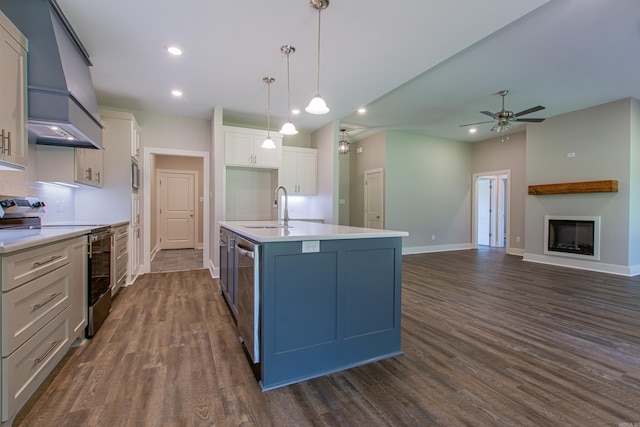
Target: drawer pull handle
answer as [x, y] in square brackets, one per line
[46, 353]
[50, 260]
[43, 303]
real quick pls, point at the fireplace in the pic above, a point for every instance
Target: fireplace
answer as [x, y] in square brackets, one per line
[572, 236]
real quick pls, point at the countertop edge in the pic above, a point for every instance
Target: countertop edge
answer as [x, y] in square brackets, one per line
[31, 241]
[338, 232]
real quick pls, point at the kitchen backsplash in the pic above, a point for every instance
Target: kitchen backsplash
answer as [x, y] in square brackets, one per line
[59, 201]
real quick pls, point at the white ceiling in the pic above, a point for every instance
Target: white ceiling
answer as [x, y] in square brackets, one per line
[424, 67]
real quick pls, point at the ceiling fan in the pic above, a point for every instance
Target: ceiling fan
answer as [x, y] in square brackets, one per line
[504, 118]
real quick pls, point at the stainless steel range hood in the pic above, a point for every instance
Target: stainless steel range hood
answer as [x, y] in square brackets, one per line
[63, 109]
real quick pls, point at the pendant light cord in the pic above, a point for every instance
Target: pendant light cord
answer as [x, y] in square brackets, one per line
[269, 109]
[288, 87]
[318, 81]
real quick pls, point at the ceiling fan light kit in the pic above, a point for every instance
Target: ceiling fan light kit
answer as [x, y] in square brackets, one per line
[505, 118]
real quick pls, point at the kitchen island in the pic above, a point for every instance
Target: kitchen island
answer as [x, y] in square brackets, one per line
[327, 297]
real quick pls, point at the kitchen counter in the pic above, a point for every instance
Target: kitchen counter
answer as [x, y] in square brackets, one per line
[272, 231]
[327, 297]
[17, 240]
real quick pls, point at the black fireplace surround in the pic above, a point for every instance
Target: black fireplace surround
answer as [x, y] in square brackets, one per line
[571, 236]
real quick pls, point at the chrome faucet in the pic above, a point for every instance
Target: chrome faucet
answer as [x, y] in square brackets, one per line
[286, 204]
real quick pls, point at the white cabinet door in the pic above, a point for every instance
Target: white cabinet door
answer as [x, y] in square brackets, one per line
[78, 287]
[13, 90]
[243, 147]
[308, 172]
[238, 149]
[89, 165]
[299, 171]
[135, 139]
[267, 157]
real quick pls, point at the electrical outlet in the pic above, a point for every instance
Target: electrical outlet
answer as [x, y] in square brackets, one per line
[571, 155]
[518, 239]
[433, 237]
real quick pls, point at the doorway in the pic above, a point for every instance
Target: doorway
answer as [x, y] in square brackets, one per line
[491, 206]
[152, 162]
[374, 198]
[177, 211]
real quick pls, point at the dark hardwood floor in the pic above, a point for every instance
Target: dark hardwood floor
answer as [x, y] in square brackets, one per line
[489, 340]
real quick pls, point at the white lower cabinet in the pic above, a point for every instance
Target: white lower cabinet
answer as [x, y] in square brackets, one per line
[44, 292]
[119, 257]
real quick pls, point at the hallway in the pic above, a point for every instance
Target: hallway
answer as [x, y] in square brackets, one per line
[176, 260]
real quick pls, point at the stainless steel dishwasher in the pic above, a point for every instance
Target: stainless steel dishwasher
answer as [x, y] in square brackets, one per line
[247, 275]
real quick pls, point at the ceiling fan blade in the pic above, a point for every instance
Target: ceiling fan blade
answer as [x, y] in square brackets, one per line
[528, 120]
[490, 114]
[477, 123]
[529, 111]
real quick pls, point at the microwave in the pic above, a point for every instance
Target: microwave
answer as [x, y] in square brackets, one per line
[135, 176]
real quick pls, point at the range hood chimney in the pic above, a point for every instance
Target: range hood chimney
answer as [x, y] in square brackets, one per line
[62, 104]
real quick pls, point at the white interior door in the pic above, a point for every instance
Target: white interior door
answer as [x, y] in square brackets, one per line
[484, 211]
[374, 199]
[177, 210]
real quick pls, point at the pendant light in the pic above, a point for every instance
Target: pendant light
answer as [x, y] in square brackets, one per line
[288, 128]
[268, 143]
[317, 104]
[343, 145]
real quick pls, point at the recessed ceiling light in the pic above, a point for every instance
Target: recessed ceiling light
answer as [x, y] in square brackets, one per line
[473, 130]
[295, 111]
[176, 92]
[174, 50]
[362, 110]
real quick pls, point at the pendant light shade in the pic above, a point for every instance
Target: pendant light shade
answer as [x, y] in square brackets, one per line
[288, 128]
[317, 105]
[343, 145]
[268, 143]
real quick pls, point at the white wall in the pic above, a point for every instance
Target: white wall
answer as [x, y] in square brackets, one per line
[325, 140]
[634, 199]
[428, 191]
[495, 155]
[600, 138]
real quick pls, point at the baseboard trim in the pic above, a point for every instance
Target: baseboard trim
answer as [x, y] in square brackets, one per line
[579, 264]
[435, 248]
[515, 251]
[213, 270]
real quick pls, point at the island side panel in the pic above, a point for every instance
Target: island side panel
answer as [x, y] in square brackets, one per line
[326, 311]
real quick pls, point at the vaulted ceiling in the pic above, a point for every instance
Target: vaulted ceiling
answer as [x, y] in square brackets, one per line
[420, 66]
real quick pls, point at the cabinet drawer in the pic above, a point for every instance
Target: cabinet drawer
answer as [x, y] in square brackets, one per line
[24, 370]
[121, 249]
[120, 233]
[121, 271]
[27, 309]
[21, 267]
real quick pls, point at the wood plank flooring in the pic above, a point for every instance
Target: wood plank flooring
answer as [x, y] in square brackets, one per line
[489, 340]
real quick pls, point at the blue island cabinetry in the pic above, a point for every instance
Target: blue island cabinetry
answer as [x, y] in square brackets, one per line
[328, 298]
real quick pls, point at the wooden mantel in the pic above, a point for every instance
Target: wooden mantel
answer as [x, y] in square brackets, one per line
[608, 186]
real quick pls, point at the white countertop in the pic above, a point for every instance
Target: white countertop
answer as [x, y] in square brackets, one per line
[16, 240]
[263, 231]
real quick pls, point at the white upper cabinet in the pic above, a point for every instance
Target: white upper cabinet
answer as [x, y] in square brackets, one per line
[135, 139]
[299, 171]
[13, 90]
[242, 147]
[89, 167]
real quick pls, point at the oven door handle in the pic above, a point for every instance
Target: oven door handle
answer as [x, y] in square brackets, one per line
[245, 251]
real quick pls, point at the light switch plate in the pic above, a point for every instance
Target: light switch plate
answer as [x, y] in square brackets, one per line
[309, 246]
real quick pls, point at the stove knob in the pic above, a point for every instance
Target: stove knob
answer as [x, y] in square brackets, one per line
[37, 204]
[7, 203]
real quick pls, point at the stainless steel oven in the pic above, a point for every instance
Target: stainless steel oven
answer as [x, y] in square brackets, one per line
[99, 278]
[247, 274]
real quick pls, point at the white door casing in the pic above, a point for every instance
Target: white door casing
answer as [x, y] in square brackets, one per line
[177, 209]
[374, 198]
[500, 205]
